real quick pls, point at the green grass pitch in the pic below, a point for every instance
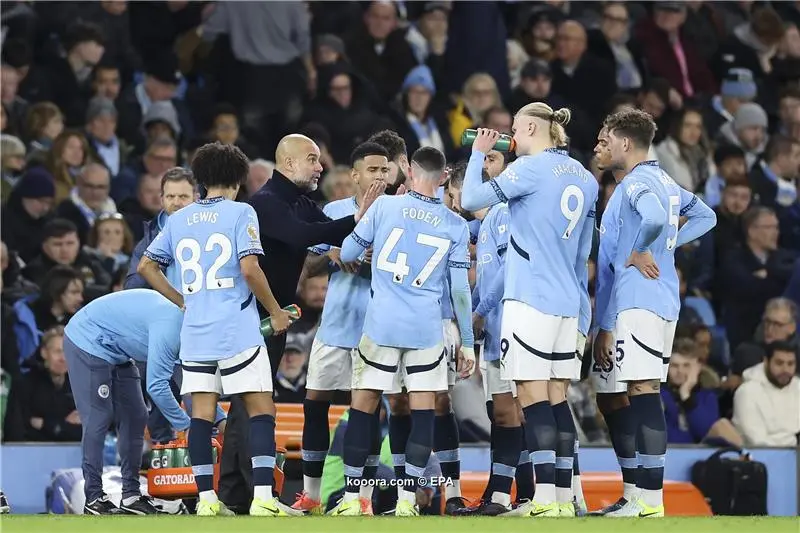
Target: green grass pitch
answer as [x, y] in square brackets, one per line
[243, 524]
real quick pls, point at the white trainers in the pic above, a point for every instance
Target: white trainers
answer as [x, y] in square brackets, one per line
[630, 509]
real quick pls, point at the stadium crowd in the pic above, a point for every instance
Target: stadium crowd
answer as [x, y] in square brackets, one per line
[100, 99]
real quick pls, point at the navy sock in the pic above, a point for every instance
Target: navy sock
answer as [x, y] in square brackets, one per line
[541, 435]
[399, 430]
[374, 457]
[492, 444]
[576, 469]
[420, 443]
[445, 444]
[262, 449]
[200, 454]
[565, 445]
[357, 439]
[651, 440]
[504, 462]
[622, 430]
[316, 436]
[524, 476]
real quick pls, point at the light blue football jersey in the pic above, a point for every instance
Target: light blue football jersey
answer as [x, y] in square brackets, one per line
[348, 294]
[417, 239]
[207, 239]
[631, 289]
[490, 251]
[551, 198]
[605, 307]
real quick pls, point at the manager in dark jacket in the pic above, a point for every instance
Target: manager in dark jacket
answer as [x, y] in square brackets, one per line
[290, 223]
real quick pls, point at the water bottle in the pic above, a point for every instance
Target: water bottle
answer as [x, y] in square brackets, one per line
[110, 456]
[266, 324]
[504, 144]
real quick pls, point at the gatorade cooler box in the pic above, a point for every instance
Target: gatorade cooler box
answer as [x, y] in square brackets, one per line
[170, 474]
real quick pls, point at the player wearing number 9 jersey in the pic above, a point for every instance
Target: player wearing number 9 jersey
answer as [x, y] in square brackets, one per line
[215, 242]
[647, 297]
[551, 199]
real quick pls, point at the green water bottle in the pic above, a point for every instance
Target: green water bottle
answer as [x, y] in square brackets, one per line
[505, 143]
[266, 324]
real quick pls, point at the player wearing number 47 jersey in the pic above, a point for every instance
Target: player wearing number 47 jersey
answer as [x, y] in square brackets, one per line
[216, 244]
[646, 298]
[551, 199]
[417, 239]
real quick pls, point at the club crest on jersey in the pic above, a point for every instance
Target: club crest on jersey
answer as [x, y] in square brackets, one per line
[252, 232]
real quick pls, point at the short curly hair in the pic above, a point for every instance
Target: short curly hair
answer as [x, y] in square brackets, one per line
[634, 124]
[220, 165]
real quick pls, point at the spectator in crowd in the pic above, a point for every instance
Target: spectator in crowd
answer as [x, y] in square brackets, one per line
[669, 54]
[478, 95]
[766, 408]
[773, 178]
[328, 50]
[516, 57]
[101, 135]
[728, 233]
[418, 120]
[160, 156]
[788, 102]
[779, 324]
[747, 130]
[575, 69]
[27, 212]
[177, 190]
[498, 119]
[145, 206]
[15, 107]
[703, 27]
[161, 121]
[685, 153]
[60, 298]
[88, 200]
[111, 240]
[730, 165]
[379, 50]
[338, 184]
[225, 129]
[61, 246]
[43, 125]
[428, 38]
[45, 397]
[106, 80]
[13, 285]
[312, 297]
[290, 381]
[692, 411]
[612, 43]
[538, 32]
[64, 161]
[738, 87]
[12, 160]
[753, 274]
[260, 173]
[789, 218]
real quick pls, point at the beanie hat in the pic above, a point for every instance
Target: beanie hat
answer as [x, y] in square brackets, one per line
[420, 75]
[748, 115]
[738, 83]
[163, 111]
[36, 183]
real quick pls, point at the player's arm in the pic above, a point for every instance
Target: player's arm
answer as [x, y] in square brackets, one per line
[362, 236]
[159, 254]
[494, 295]
[500, 234]
[582, 272]
[654, 218]
[248, 248]
[700, 218]
[277, 221]
[461, 296]
[162, 356]
[477, 194]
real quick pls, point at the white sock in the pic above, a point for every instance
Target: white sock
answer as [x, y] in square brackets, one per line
[130, 500]
[409, 496]
[577, 488]
[563, 495]
[629, 491]
[365, 491]
[453, 491]
[545, 493]
[349, 496]
[652, 498]
[502, 498]
[263, 492]
[209, 496]
[313, 487]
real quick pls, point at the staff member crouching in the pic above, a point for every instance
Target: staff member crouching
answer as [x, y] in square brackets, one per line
[101, 343]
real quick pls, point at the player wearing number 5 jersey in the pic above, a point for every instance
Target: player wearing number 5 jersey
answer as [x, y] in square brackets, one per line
[417, 239]
[646, 298]
[216, 244]
[551, 199]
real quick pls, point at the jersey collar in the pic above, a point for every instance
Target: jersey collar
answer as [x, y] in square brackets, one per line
[424, 198]
[560, 151]
[209, 201]
[647, 163]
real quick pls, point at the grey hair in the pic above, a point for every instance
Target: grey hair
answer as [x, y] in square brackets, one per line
[779, 303]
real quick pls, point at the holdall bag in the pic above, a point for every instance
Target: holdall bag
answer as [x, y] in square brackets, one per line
[732, 485]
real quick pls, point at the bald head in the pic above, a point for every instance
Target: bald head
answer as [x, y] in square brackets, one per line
[297, 158]
[571, 42]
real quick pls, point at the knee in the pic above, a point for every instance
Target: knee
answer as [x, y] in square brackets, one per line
[398, 404]
[608, 403]
[443, 405]
[557, 390]
[636, 388]
[506, 411]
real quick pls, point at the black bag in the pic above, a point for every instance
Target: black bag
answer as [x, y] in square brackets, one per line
[732, 486]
